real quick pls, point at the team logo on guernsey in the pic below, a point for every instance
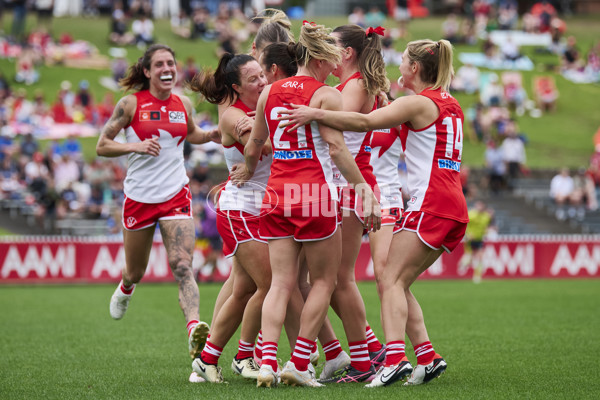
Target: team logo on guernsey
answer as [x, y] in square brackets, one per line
[146, 105]
[177, 117]
[292, 155]
[150, 116]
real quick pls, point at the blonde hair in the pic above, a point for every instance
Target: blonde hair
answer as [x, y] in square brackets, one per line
[435, 59]
[315, 42]
[368, 56]
[275, 27]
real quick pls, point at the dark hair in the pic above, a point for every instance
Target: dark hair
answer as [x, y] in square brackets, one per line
[135, 78]
[368, 56]
[218, 85]
[278, 54]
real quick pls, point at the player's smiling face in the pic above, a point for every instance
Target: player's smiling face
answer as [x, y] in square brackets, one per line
[163, 71]
[252, 83]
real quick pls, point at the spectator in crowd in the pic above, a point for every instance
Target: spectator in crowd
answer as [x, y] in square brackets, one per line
[451, 28]
[181, 24]
[374, 17]
[44, 10]
[200, 24]
[571, 58]
[119, 31]
[390, 55]
[509, 49]
[19, 15]
[492, 94]
[508, 15]
[543, 11]
[495, 167]
[466, 79]
[561, 190]
[143, 30]
[84, 104]
[26, 71]
[72, 147]
[513, 153]
[357, 17]
[29, 146]
[59, 112]
[401, 14]
[37, 175]
[584, 193]
[225, 33]
[66, 172]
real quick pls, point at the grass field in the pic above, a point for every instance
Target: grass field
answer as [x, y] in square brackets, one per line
[562, 138]
[534, 339]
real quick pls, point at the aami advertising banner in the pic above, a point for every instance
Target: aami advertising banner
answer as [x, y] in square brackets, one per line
[62, 260]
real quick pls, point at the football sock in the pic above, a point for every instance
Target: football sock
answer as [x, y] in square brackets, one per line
[372, 341]
[332, 349]
[394, 352]
[245, 350]
[424, 353]
[301, 354]
[269, 355]
[191, 325]
[211, 353]
[359, 355]
[127, 289]
[259, 345]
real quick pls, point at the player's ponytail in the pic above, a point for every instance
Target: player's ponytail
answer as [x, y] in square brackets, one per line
[435, 59]
[218, 85]
[315, 42]
[279, 54]
[367, 46]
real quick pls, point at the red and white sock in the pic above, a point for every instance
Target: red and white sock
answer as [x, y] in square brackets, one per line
[128, 290]
[245, 350]
[301, 354]
[359, 355]
[394, 352]
[372, 341]
[259, 345]
[332, 349]
[424, 353]
[269, 355]
[191, 325]
[211, 353]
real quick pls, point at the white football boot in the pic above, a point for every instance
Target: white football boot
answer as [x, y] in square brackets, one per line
[394, 373]
[336, 365]
[246, 368]
[425, 373]
[119, 303]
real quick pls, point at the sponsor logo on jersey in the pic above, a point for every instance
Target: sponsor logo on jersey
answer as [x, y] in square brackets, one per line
[163, 109]
[368, 149]
[382, 130]
[146, 105]
[150, 116]
[293, 155]
[177, 117]
[449, 164]
[302, 145]
[293, 84]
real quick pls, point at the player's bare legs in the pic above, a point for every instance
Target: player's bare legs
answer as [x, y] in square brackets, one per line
[225, 291]
[137, 245]
[179, 240]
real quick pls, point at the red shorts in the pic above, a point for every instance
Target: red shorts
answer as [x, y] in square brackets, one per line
[138, 215]
[351, 203]
[389, 216]
[435, 232]
[302, 223]
[237, 227]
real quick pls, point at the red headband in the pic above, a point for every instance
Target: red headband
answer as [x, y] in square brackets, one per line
[379, 30]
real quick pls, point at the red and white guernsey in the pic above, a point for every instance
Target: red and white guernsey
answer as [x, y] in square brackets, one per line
[301, 171]
[249, 197]
[359, 144]
[156, 179]
[433, 157]
[386, 149]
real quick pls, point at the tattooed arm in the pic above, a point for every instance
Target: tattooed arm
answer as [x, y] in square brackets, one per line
[122, 116]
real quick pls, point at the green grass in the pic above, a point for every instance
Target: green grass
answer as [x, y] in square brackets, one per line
[563, 138]
[502, 339]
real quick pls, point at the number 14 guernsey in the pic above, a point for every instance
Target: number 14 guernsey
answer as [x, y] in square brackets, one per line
[433, 156]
